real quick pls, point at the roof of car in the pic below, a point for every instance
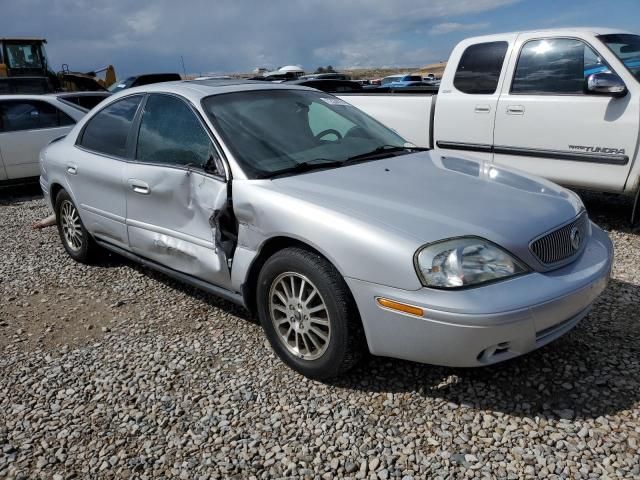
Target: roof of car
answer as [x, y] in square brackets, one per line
[567, 31]
[23, 39]
[98, 93]
[26, 96]
[195, 90]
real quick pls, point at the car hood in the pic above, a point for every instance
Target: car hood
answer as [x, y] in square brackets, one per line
[429, 197]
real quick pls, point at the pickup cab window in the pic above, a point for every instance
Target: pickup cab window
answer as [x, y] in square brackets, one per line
[479, 69]
[627, 48]
[557, 66]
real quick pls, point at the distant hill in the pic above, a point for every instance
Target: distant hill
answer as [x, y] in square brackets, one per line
[370, 73]
[436, 68]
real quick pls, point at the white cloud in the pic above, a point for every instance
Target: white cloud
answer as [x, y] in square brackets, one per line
[449, 27]
[144, 21]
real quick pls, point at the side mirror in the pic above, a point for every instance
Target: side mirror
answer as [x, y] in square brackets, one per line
[605, 83]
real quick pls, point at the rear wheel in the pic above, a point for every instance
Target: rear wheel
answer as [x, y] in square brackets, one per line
[75, 238]
[308, 314]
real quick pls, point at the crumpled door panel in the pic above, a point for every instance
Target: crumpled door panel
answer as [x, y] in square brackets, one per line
[172, 223]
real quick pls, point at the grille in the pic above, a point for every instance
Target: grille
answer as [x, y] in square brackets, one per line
[558, 245]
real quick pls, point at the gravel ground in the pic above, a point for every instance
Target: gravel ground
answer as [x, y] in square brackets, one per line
[116, 371]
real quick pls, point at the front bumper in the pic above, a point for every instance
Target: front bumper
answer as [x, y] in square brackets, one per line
[488, 324]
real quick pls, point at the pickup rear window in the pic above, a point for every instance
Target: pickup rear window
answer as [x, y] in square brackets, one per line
[479, 69]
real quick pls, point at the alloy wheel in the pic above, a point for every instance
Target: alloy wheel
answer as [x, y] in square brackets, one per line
[299, 315]
[71, 226]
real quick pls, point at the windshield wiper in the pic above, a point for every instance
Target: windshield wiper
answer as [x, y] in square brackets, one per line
[302, 167]
[382, 151]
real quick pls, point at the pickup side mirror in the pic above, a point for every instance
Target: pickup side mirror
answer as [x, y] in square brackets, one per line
[605, 83]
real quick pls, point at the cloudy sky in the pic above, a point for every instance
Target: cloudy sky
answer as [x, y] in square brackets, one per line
[239, 35]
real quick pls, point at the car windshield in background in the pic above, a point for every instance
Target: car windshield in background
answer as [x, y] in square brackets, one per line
[627, 48]
[122, 84]
[274, 132]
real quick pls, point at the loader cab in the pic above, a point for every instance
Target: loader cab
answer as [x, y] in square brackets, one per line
[23, 57]
[24, 67]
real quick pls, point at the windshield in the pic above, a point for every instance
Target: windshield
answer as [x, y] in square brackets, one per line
[270, 131]
[24, 56]
[627, 48]
[122, 84]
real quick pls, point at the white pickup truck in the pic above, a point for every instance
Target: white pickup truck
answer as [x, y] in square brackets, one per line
[562, 104]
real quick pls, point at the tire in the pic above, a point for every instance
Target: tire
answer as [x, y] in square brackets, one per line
[74, 236]
[316, 334]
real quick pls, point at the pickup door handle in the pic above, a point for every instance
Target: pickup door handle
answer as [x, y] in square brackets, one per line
[139, 186]
[515, 110]
[483, 109]
[72, 170]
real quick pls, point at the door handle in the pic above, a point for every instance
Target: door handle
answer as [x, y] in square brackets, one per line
[483, 109]
[139, 186]
[515, 110]
[72, 170]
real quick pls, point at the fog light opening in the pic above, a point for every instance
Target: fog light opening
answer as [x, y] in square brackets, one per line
[488, 354]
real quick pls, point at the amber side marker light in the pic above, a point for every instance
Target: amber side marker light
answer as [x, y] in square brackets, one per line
[400, 307]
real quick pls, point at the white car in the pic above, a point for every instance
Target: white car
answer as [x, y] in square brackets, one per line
[28, 123]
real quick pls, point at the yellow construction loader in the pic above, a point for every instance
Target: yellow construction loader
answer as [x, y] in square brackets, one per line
[24, 68]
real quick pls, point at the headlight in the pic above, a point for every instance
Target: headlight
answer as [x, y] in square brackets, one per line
[465, 261]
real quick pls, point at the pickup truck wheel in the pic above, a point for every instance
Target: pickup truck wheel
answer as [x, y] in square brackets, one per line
[75, 239]
[308, 314]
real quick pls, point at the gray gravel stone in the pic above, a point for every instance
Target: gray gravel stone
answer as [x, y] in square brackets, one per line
[120, 372]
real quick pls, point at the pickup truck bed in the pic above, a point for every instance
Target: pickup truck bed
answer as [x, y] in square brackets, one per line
[411, 115]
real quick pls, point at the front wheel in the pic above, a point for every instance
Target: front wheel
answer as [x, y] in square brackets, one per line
[75, 239]
[308, 314]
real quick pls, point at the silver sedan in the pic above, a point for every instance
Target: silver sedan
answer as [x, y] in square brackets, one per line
[338, 234]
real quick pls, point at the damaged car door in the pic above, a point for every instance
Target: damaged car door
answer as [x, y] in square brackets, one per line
[177, 191]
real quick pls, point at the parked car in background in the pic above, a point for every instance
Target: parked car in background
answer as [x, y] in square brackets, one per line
[337, 233]
[329, 85]
[145, 79]
[404, 81]
[389, 79]
[326, 76]
[84, 100]
[214, 77]
[431, 79]
[275, 77]
[563, 104]
[28, 123]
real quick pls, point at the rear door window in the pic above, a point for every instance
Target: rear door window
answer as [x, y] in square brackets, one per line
[87, 102]
[555, 67]
[19, 115]
[479, 69]
[107, 131]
